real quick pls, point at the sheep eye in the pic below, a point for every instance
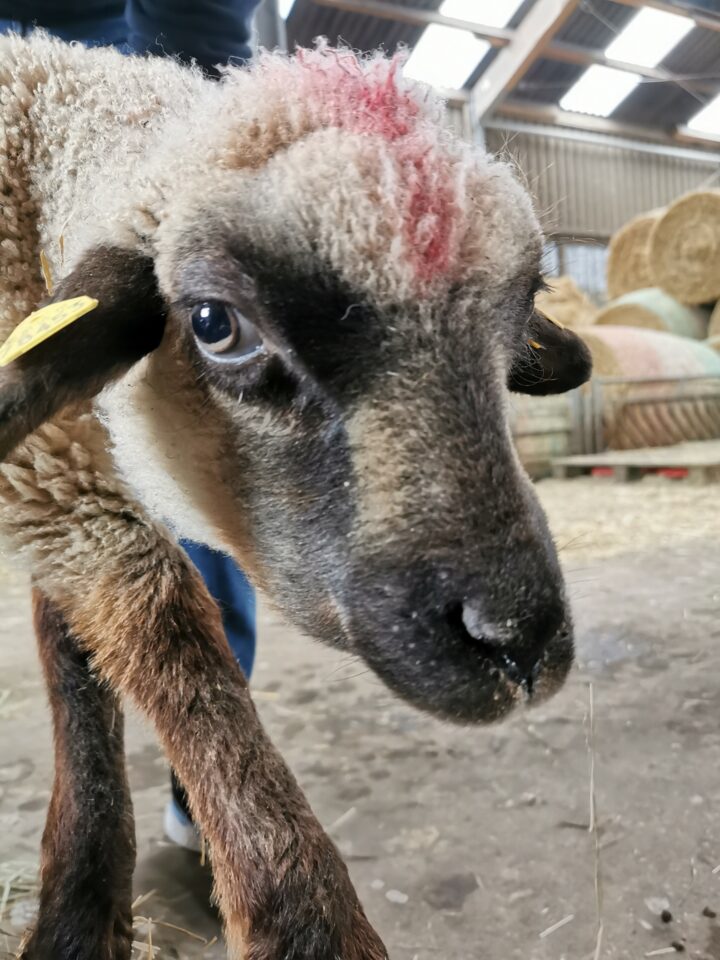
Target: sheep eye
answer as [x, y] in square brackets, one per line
[222, 331]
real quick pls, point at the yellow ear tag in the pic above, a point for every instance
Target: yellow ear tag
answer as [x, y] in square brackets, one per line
[43, 324]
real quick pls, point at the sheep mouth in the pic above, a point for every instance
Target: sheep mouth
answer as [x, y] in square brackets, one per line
[439, 667]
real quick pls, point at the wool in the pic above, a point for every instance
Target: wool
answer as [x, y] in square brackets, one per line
[325, 191]
[155, 124]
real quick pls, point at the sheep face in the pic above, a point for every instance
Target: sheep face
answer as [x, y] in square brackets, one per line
[357, 401]
[346, 293]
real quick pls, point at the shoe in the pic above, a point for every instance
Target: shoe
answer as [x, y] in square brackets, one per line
[180, 829]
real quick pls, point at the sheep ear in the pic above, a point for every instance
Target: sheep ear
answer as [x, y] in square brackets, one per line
[553, 360]
[76, 362]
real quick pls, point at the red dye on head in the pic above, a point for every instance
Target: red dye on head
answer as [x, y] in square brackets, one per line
[365, 98]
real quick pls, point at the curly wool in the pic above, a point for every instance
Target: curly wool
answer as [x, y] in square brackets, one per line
[100, 147]
[324, 157]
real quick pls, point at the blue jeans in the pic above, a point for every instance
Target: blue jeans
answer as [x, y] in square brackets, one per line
[235, 597]
[211, 31]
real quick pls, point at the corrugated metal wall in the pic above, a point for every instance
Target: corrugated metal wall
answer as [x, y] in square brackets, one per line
[589, 188]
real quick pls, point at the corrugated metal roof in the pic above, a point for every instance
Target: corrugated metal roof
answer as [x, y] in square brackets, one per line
[547, 80]
[697, 55]
[593, 25]
[659, 105]
[309, 20]
[651, 104]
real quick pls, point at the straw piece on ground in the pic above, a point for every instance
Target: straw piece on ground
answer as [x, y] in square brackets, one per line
[565, 303]
[685, 248]
[654, 309]
[628, 266]
[19, 880]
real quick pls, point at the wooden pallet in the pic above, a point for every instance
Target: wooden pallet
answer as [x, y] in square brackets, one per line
[701, 460]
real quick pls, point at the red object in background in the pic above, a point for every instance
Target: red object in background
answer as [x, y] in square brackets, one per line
[674, 473]
[602, 471]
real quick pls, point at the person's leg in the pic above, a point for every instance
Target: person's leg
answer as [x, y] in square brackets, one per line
[230, 589]
[210, 32]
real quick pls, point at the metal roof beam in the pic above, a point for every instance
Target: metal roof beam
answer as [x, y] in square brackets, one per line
[530, 41]
[496, 36]
[550, 115]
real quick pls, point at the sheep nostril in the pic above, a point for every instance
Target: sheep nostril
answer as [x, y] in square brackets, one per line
[519, 654]
[479, 626]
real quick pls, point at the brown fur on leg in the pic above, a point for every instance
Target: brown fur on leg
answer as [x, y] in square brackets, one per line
[285, 894]
[88, 850]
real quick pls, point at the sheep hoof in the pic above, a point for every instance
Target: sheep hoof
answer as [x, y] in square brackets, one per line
[78, 936]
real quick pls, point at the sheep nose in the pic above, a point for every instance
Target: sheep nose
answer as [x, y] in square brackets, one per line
[519, 643]
[478, 624]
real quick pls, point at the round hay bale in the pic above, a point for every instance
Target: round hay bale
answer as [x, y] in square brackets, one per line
[654, 309]
[685, 248]
[565, 303]
[637, 352]
[628, 265]
[605, 361]
[660, 411]
[714, 325]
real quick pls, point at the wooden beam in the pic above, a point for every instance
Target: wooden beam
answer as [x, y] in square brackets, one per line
[496, 36]
[531, 38]
[687, 135]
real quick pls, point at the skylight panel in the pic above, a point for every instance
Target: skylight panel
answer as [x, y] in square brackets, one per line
[708, 119]
[492, 13]
[445, 57]
[599, 91]
[649, 37]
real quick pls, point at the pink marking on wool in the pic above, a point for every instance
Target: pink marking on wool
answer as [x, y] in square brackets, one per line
[365, 99]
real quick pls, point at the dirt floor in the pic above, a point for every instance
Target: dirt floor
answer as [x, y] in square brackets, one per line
[472, 843]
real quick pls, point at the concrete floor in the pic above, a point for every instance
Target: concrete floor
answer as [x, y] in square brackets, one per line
[471, 843]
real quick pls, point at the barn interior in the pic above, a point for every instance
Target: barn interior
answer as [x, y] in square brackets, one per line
[588, 827]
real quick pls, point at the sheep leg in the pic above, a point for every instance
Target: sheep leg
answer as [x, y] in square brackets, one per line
[88, 847]
[156, 635]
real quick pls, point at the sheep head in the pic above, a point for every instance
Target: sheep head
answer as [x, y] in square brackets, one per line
[346, 292]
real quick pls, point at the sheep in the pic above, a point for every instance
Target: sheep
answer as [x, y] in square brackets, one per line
[312, 302]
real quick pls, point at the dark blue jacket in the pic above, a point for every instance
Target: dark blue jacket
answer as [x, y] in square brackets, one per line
[209, 31]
